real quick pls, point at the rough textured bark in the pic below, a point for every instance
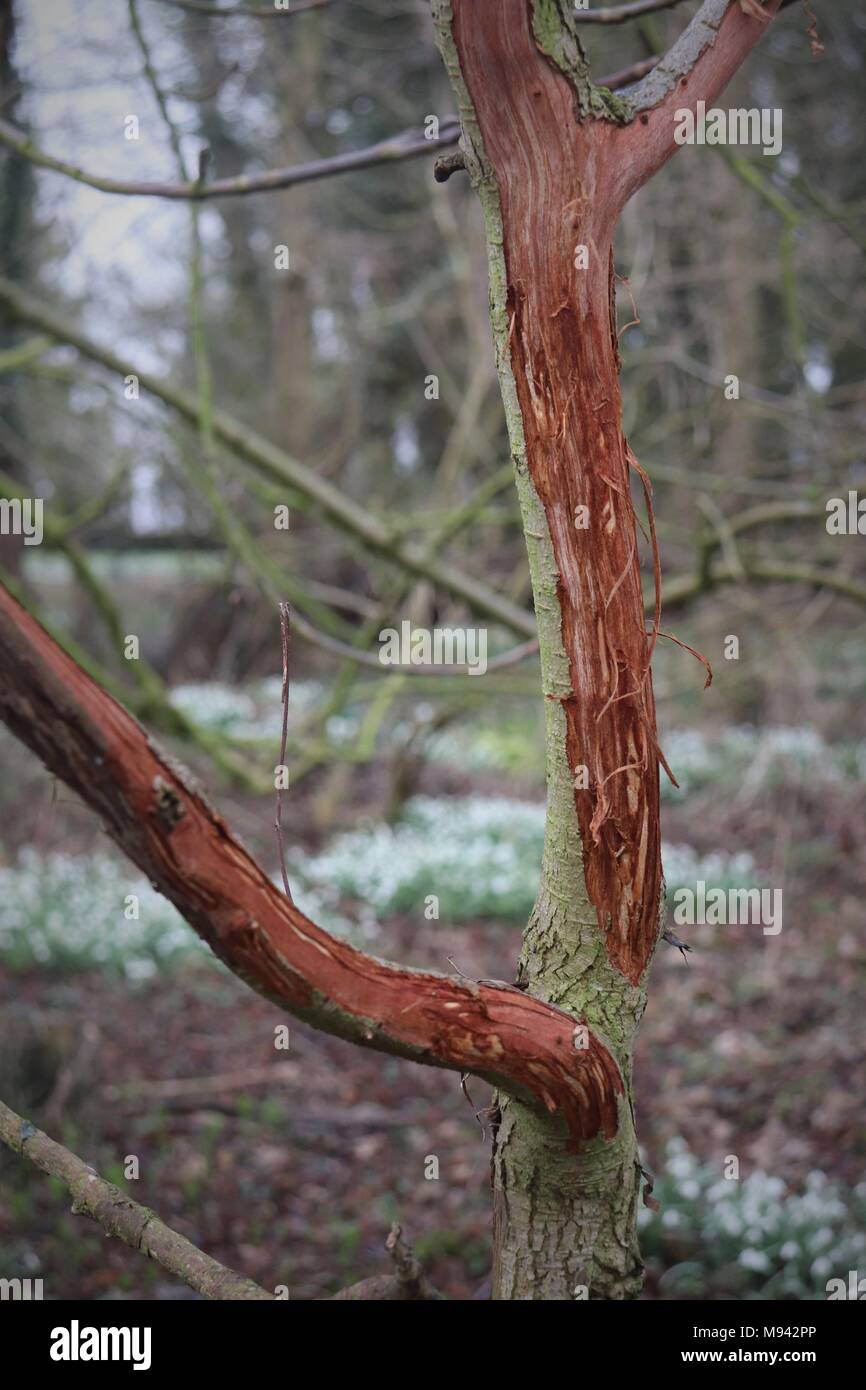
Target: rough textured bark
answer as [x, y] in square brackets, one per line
[554, 159]
[165, 826]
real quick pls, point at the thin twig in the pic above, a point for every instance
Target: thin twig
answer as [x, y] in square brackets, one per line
[245, 11]
[285, 631]
[621, 14]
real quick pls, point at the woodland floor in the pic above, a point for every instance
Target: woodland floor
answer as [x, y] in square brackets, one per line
[291, 1166]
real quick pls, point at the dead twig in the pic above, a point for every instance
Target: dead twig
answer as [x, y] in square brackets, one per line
[278, 823]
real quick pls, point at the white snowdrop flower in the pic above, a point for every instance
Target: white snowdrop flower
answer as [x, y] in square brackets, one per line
[790, 1250]
[681, 1166]
[754, 1259]
[820, 1238]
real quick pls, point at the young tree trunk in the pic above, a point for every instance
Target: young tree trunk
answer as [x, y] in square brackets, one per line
[553, 160]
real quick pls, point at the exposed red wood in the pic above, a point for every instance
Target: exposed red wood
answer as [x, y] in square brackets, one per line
[165, 826]
[562, 184]
[556, 194]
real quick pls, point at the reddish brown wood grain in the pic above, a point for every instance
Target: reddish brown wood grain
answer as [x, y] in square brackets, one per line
[557, 194]
[562, 184]
[165, 826]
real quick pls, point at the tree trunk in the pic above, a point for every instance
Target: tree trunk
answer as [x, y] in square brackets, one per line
[553, 160]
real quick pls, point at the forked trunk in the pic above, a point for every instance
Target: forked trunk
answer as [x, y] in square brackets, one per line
[554, 160]
[539, 155]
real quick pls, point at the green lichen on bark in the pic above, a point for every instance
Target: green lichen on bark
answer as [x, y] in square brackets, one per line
[562, 1221]
[555, 32]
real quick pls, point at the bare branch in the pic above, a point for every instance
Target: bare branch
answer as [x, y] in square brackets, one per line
[621, 14]
[407, 1283]
[524, 1046]
[285, 633]
[409, 144]
[120, 1216]
[243, 11]
[684, 588]
[273, 463]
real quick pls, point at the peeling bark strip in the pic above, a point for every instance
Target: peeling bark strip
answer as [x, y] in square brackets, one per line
[516, 1042]
[556, 195]
[566, 158]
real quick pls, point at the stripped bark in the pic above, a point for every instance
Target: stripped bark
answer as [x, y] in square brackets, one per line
[167, 828]
[554, 159]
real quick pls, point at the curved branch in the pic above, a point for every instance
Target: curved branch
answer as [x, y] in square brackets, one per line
[120, 1216]
[697, 68]
[516, 1042]
[686, 587]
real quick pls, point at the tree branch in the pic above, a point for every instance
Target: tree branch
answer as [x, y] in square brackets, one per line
[407, 144]
[518, 1043]
[697, 68]
[684, 588]
[621, 14]
[246, 11]
[269, 460]
[120, 1216]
